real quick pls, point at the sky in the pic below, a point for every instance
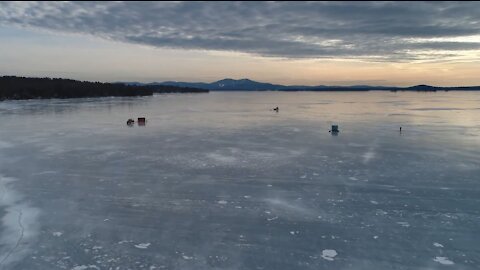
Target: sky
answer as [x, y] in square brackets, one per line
[301, 43]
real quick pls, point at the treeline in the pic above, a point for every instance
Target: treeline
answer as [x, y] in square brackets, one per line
[423, 87]
[12, 87]
[175, 89]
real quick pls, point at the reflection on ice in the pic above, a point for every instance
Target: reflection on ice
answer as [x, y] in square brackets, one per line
[367, 156]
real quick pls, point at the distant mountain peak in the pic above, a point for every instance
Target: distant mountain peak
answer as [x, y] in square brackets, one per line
[246, 84]
[423, 87]
[234, 80]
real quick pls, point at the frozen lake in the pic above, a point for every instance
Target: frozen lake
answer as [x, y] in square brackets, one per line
[219, 181]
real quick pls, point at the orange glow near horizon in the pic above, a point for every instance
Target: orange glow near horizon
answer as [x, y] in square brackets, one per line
[87, 58]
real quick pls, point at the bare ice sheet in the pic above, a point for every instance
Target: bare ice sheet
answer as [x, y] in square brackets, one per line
[219, 181]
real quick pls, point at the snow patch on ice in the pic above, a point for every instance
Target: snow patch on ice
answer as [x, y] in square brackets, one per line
[57, 234]
[143, 245]
[84, 267]
[222, 202]
[329, 254]
[222, 159]
[45, 172]
[124, 241]
[404, 224]
[443, 260]
[438, 244]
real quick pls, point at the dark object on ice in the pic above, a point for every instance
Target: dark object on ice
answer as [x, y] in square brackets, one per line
[275, 109]
[141, 121]
[130, 122]
[334, 129]
[400, 129]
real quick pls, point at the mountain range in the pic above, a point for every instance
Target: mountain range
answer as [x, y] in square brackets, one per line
[249, 85]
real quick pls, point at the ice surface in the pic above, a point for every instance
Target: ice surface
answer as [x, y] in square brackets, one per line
[217, 181]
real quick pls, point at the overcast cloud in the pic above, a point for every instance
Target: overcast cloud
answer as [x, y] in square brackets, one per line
[379, 31]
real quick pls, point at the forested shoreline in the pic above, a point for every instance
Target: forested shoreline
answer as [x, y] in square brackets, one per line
[12, 87]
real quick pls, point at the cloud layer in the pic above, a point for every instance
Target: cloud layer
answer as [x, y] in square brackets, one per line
[377, 31]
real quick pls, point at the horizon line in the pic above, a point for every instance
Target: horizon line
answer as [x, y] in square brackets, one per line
[288, 85]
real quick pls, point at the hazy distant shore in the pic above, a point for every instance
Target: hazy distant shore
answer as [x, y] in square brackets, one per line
[249, 85]
[16, 88]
